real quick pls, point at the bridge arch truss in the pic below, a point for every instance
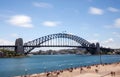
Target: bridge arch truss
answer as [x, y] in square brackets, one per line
[39, 41]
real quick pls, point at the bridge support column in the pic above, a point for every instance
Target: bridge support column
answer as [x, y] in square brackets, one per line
[19, 46]
[98, 47]
[98, 51]
[91, 49]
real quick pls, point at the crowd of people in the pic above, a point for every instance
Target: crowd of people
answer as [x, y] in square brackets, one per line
[82, 70]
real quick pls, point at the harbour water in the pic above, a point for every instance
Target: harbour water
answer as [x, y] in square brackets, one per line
[10, 67]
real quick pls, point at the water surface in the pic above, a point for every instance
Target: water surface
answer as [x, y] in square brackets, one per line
[10, 67]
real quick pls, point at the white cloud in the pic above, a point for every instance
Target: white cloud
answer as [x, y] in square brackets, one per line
[5, 42]
[68, 33]
[95, 11]
[42, 5]
[117, 23]
[93, 41]
[113, 9]
[108, 26]
[51, 23]
[21, 21]
[110, 40]
[96, 35]
[15, 35]
[111, 43]
[116, 34]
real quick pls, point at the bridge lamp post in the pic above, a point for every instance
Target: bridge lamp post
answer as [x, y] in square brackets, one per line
[45, 70]
[26, 72]
[59, 66]
[100, 58]
[71, 65]
[72, 70]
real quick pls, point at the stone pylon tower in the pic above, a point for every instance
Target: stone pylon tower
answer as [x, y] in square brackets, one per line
[19, 49]
[98, 47]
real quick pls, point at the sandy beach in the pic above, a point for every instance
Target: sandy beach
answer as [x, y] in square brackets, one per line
[101, 70]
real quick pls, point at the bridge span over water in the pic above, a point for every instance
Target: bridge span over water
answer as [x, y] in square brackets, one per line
[53, 40]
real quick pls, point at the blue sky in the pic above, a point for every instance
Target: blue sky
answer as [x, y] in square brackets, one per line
[93, 20]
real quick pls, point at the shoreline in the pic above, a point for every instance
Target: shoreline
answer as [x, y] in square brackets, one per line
[95, 70]
[15, 57]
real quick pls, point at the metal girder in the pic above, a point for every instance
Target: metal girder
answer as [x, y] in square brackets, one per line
[41, 40]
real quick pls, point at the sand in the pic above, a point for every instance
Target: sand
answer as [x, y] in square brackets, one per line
[104, 70]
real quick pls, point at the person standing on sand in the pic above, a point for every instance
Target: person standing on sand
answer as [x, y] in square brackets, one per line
[112, 74]
[81, 69]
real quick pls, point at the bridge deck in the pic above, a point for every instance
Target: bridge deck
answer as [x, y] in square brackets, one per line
[44, 46]
[7, 46]
[49, 46]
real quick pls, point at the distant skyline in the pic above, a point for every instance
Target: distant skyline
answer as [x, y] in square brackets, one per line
[93, 20]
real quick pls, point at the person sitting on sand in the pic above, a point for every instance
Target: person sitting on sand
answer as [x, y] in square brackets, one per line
[48, 74]
[89, 67]
[96, 70]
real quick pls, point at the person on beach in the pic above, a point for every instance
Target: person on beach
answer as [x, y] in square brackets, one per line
[81, 69]
[96, 70]
[112, 74]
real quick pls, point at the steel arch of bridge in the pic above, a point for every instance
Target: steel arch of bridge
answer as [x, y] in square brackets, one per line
[38, 42]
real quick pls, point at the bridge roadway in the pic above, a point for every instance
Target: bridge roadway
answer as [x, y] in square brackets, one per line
[43, 46]
[1, 46]
[7, 46]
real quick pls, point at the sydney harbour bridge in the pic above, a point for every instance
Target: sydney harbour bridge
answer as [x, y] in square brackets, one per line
[53, 40]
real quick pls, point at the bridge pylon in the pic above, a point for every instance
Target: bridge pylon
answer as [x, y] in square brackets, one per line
[98, 47]
[19, 49]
